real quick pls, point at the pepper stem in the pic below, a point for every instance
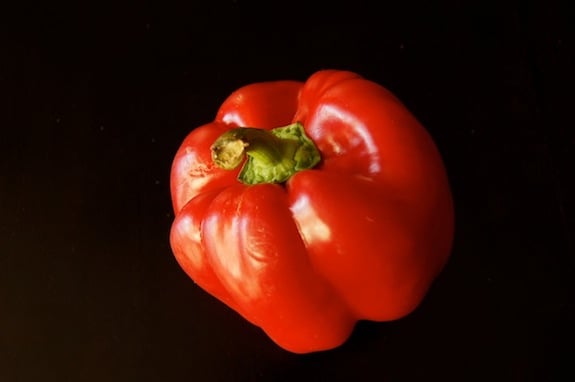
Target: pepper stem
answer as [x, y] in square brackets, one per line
[273, 156]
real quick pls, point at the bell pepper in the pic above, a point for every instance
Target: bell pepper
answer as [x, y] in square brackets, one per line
[308, 206]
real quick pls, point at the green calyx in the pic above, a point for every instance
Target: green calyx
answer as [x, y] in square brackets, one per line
[273, 156]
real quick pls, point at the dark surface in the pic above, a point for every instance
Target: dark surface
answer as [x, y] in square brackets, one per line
[95, 100]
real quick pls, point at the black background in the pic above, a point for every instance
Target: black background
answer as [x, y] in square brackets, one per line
[95, 100]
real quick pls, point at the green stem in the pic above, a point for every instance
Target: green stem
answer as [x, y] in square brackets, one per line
[273, 156]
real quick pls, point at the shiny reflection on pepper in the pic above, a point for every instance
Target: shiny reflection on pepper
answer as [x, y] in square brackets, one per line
[233, 119]
[187, 228]
[310, 225]
[237, 270]
[355, 135]
[200, 173]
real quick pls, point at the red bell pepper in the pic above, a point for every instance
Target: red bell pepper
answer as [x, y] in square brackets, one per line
[344, 213]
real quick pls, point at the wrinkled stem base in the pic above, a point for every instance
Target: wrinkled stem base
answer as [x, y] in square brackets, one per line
[273, 156]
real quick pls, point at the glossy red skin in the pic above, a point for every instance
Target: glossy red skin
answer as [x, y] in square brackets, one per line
[360, 237]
